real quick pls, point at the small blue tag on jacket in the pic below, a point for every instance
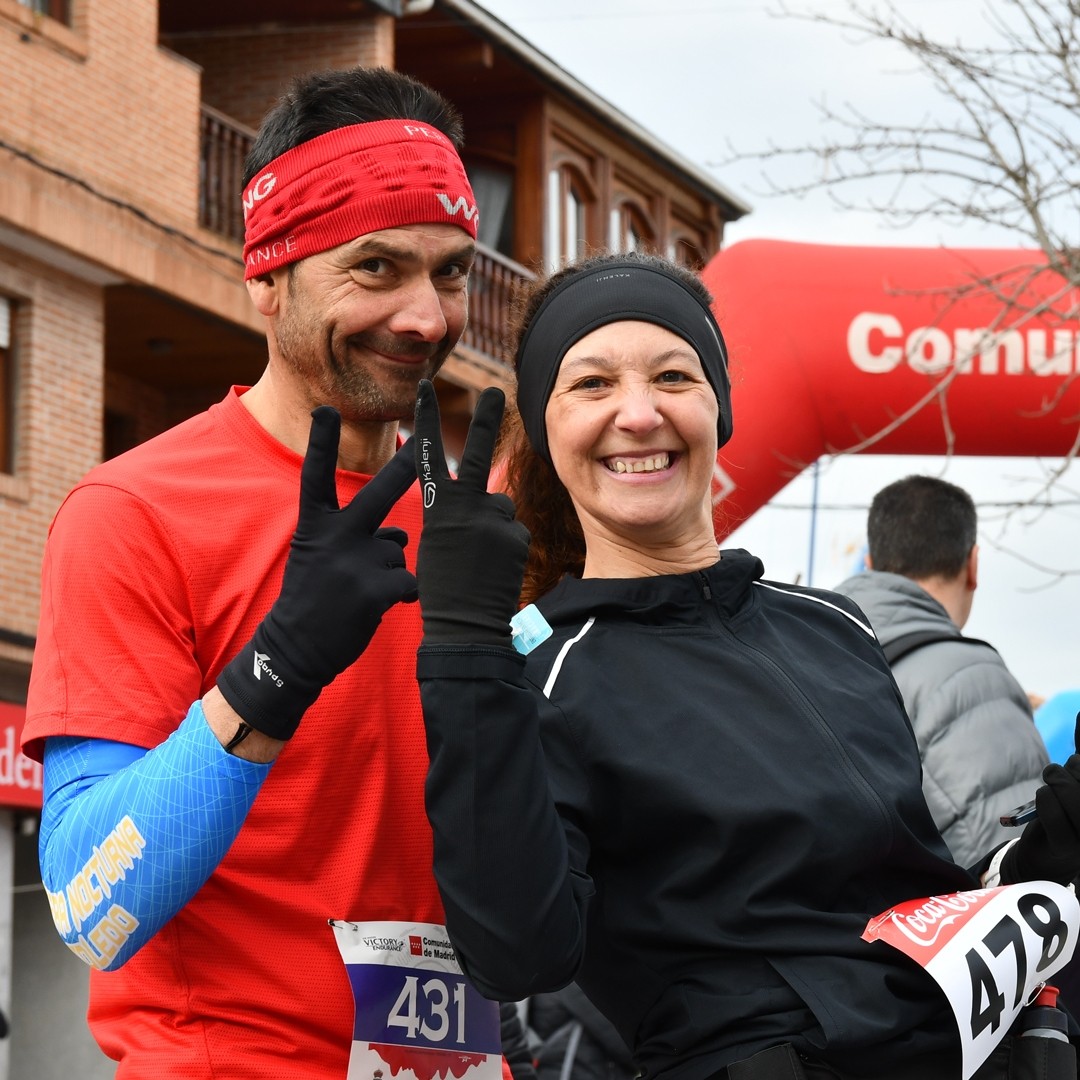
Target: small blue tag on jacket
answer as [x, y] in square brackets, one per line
[528, 629]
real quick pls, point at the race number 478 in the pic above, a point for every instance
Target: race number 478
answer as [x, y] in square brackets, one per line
[990, 951]
[1043, 917]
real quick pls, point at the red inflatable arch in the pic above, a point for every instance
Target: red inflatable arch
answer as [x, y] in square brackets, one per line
[888, 350]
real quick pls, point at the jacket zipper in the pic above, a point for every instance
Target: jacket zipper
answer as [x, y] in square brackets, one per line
[796, 696]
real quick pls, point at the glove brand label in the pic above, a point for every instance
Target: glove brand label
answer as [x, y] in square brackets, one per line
[261, 664]
[427, 482]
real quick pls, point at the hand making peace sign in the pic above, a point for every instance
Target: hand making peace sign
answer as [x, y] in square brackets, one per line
[472, 552]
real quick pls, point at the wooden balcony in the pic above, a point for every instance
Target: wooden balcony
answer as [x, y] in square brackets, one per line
[492, 284]
[225, 144]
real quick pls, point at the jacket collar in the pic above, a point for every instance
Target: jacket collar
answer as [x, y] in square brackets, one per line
[670, 597]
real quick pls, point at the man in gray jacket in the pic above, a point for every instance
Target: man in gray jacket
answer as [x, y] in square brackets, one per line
[981, 752]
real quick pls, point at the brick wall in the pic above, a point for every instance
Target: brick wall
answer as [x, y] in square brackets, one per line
[58, 337]
[103, 102]
[244, 74]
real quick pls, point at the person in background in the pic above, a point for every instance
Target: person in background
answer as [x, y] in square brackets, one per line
[223, 692]
[681, 785]
[1055, 720]
[981, 752]
[515, 1042]
[573, 1039]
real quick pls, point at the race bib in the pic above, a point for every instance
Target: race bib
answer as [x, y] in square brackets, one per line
[990, 951]
[417, 1017]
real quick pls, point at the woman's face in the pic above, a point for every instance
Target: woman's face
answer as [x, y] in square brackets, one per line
[631, 427]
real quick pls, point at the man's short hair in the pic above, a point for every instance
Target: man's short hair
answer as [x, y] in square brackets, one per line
[323, 101]
[921, 527]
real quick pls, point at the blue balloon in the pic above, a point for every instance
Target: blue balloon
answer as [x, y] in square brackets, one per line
[1056, 722]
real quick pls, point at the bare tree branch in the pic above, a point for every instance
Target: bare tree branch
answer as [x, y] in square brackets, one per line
[1005, 149]
[1002, 149]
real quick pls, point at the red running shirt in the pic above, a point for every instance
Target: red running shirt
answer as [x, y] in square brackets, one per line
[158, 567]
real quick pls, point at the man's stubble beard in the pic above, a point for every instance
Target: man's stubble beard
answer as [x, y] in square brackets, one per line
[337, 376]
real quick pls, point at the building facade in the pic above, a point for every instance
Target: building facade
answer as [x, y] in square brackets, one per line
[123, 128]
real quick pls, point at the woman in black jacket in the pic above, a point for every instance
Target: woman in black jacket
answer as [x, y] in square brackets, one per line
[697, 786]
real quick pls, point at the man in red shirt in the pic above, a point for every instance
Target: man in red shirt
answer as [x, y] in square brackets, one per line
[196, 836]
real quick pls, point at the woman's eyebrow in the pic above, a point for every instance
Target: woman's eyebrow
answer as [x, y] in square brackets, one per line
[605, 363]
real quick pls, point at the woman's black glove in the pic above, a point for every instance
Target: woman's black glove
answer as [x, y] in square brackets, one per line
[343, 573]
[1049, 847]
[471, 558]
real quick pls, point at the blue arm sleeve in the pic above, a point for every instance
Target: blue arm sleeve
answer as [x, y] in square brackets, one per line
[128, 835]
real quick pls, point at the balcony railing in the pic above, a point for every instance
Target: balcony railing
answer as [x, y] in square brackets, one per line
[224, 146]
[492, 283]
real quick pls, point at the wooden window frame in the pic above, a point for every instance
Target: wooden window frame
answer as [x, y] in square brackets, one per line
[60, 10]
[572, 183]
[9, 320]
[683, 241]
[627, 215]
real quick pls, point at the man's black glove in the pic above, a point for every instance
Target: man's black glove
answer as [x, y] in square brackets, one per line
[472, 552]
[1049, 847]
[343, 573]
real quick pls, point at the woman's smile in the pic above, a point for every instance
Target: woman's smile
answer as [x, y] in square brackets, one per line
[637, 464]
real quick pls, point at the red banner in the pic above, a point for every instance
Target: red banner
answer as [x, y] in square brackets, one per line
[889, 351]
[20, 778]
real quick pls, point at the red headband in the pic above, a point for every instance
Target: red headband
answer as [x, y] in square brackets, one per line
[351, 181]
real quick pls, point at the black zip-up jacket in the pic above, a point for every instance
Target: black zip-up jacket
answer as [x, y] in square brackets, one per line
[727, 789]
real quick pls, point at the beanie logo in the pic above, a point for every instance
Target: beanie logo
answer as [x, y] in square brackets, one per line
[258, 190]
[459, 205]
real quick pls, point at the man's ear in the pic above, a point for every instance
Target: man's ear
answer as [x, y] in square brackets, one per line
[867, 561]
[973, 568]
[263, 290]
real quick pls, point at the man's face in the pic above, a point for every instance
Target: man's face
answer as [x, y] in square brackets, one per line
[363, 323]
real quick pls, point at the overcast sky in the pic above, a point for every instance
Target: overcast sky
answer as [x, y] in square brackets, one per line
[706, 75]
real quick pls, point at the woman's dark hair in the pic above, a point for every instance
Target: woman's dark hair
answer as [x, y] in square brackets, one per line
[543, 503]
[323, 101]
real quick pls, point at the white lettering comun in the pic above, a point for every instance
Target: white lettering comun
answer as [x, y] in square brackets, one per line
[877, 344]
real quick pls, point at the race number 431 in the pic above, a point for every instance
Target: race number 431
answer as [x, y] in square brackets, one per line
[990, 951]
[430, 1010]
[416, 1015]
